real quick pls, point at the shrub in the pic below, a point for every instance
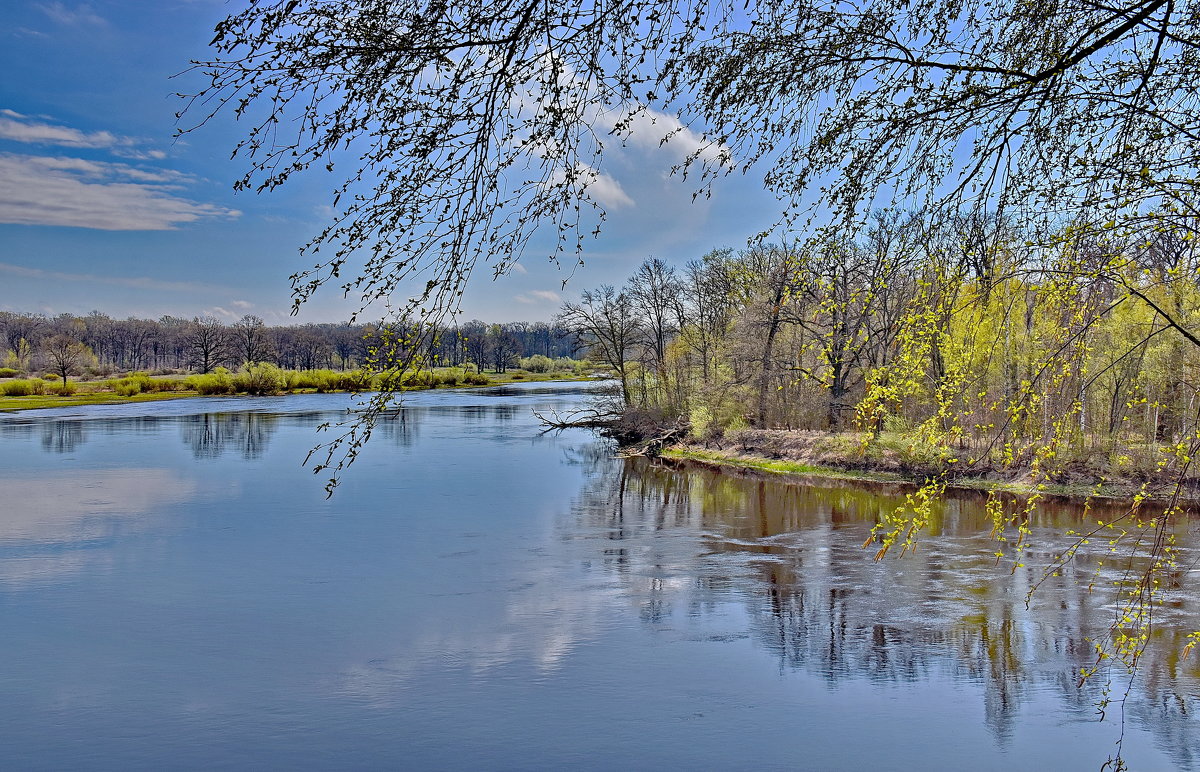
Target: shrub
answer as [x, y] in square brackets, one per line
[126, 388]
[23, 388]
[216, 382]
[8, 372]
[419, 380]
[517, 376]
[537, 364]
[66, 389]
[160, 384]
[262, 378]
[328, 380]
[476, 379]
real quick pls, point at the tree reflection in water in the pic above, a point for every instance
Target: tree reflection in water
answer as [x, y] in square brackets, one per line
[792, 556]
[62, 436]
[211, 435]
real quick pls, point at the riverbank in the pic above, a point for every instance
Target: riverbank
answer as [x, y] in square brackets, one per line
[108, 392]
[809, 457]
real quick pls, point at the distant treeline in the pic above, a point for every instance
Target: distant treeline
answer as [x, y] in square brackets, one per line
[202, 344]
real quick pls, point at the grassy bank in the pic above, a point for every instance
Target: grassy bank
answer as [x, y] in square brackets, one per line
[36, 393]
[813, 456]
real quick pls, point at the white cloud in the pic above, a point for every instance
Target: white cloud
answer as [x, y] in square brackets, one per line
[20, 128]
[73, 192]
[242, 304]
[17, 127]
[602, 187]
[608, 191]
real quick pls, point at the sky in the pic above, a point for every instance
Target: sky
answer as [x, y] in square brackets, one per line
[103, 209]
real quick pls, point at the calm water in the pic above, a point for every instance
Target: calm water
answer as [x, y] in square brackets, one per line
[176, 592]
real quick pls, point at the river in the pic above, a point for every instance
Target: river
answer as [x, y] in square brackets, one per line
[178, 592]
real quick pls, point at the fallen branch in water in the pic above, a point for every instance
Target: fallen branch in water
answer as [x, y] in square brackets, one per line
[637, 432]
[653, 445]
[583, 418]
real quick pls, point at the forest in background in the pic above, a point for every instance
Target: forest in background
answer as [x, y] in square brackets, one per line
[31, 343]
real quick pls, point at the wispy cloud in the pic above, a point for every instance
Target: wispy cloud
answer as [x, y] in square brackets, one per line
[22, 128]
[17, 127]
[136, 282]
[81, 15]
[538, 297]
[74, 192]
[242, 304]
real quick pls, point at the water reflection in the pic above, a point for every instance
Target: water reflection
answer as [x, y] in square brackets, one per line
[62, 436]
[210, 435]
[58, 523]
[792, 556]
[483, 593]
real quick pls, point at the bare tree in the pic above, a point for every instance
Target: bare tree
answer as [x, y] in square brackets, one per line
[248, 339]
[207, 343]
[66, 356]
[607, 322]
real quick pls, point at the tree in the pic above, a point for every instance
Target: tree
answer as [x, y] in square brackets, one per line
[501, 346]
[606, 321]
[66, 356]
[475, 123]
[207, 343]
[248, 339]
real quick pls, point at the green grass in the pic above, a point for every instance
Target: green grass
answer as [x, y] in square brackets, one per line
[12, 404]
[789, 468]
[779, 467]
[139, 387]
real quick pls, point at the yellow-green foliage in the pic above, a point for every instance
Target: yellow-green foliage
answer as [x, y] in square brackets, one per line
[261, 378]
[217, 382]
[328, 380]
[142, 383]
[9, 372]
[537, 363]
[23, 388]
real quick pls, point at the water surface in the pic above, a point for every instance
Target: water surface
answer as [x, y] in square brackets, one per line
[177, 592]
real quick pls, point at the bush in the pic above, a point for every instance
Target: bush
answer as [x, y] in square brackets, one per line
[126, 388]
[517, 376]
[65, 389]
[23, 388]
[216, 382]
[262, 378]
[8, 372]
[537, 364]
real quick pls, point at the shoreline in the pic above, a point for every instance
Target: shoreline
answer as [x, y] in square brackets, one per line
[82, 399]
[847, 469]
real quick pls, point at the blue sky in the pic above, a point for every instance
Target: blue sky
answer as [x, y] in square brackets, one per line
[101, 209]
